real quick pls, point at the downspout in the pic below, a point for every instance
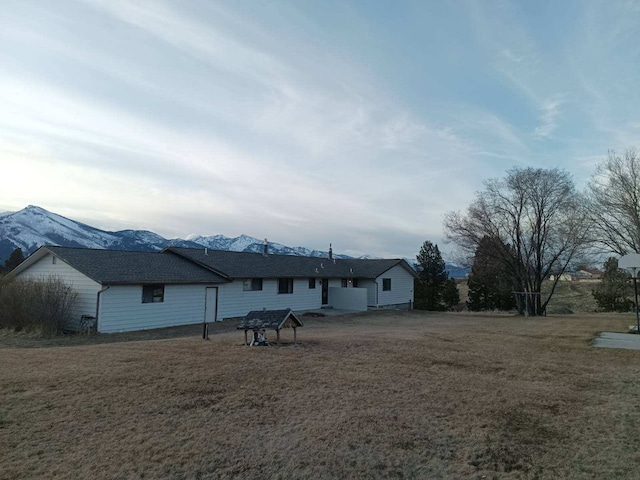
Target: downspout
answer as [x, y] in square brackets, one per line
[376, 292]
[100, 292]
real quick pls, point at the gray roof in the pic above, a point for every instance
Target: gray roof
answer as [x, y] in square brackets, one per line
[113, 267]
[257, 265]
[269, 319]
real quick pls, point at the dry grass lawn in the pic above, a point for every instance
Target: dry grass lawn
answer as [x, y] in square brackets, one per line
[377, 395]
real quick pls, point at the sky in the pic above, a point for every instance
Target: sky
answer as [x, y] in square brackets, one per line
[359, 123]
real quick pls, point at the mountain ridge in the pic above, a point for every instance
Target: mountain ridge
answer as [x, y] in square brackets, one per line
[34, 226]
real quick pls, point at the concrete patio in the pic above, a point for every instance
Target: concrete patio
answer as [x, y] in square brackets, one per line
[627, 341]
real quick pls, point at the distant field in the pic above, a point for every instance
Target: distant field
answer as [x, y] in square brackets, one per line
[568, 297]
[573, 296]
[376, 395]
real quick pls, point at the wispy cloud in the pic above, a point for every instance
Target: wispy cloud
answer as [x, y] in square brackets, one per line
[549, 113]
[209, 118]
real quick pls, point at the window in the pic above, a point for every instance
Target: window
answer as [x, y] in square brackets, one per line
[252, 284]
[152, 293]
[355, 283]
[312, 283]
[344, 283]
[386, 284]
[285, 285]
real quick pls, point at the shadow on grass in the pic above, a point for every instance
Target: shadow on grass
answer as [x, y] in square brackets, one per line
[10, 339]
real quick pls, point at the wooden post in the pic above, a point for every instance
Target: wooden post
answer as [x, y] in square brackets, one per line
[205, 331]
[295, 337]
[246, 341]
[278, 331]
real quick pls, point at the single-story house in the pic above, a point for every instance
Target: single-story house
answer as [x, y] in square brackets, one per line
[127, 290]
[591, 273]
[585, 275]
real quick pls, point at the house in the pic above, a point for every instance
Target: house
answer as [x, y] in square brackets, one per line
[304, 283]
[590, 273]
[127, 291]
[585, 275]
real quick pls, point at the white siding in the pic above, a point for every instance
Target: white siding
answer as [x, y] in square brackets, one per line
[122, 310]
[87, 289]
[234, 302]
[401, 287]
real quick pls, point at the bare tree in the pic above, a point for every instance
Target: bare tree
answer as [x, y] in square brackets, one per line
[614, 194]
[538, 223]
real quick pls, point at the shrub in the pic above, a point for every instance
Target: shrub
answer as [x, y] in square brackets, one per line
[42, 305]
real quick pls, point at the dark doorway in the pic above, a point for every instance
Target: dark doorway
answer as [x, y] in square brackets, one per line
[325, 291]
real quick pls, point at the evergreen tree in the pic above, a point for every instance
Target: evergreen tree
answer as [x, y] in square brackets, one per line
[490, 287]
[429, 287]
[613, 293]
[15, 259]
[450, 294]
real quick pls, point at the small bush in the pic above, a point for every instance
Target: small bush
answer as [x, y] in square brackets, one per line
[41, 306]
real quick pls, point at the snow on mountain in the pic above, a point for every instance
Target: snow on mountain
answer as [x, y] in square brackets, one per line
[245, 243]
[33, 226]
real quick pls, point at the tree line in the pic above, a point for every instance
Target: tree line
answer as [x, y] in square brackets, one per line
[531, 226]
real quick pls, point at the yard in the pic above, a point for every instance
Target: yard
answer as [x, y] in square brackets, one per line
[375, 395]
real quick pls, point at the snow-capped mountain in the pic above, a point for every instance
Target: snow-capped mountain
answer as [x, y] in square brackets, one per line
[245, 243]
[33, 226]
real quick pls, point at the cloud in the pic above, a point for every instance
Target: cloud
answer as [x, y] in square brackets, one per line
[512, 56]
[549, 113]
[200, 117]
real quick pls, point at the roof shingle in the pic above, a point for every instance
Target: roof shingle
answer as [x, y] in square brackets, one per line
[111, 267]
[257, 265]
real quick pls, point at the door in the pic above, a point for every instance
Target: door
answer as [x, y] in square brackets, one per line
[211, 305]
[325, 291]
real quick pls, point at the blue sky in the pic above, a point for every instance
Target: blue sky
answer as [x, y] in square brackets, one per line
[357, 123]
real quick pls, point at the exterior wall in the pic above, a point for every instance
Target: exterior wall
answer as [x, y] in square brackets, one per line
[348, 298]
[234, 302]
[371, 287]
[122, 310]
[87, 289]
[401, 292]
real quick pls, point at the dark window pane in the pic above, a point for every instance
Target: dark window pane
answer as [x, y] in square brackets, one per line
[152, 293]
[285, 285]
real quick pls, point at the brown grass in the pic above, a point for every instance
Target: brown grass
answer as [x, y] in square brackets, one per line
[377, 395]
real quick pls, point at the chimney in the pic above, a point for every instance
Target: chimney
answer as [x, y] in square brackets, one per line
[265, 247]
[206, 251]
[330, 252]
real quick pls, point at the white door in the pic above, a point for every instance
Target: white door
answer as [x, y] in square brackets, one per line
[211, 305]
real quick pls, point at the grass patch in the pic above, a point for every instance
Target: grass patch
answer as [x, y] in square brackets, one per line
[380, 395]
